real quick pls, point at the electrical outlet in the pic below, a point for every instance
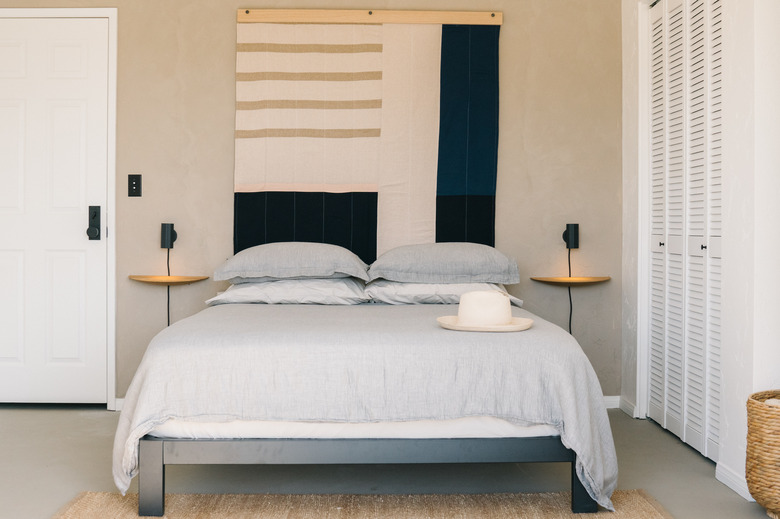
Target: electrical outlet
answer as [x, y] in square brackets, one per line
[133, 185]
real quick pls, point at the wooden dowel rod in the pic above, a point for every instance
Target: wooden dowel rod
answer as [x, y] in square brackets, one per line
[368, 16]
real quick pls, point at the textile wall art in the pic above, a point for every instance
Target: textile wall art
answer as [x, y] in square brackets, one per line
[366, 135]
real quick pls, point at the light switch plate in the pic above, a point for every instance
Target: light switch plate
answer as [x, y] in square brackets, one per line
[133, 185]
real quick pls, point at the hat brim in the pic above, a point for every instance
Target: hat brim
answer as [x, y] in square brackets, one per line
[518, 324]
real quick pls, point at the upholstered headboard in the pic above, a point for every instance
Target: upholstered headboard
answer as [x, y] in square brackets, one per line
[345, 219]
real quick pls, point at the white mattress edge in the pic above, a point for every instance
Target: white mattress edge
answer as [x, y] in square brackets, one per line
[472, 427]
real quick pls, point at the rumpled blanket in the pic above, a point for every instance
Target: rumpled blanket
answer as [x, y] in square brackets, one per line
[366, 363]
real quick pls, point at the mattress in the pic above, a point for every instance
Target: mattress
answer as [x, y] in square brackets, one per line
[474, 427]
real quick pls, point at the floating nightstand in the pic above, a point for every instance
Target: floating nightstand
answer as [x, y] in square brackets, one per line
[168, 280]
[573, 281]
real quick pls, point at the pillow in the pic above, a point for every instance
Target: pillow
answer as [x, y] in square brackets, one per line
[291, 260]
[396, 293]
[445, 263]
[344, 291]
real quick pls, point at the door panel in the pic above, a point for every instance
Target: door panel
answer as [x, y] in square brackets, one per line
[54, 81]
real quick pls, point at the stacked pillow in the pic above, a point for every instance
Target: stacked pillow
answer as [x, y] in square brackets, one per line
[293, 273]
[319, 273]
[438, 273]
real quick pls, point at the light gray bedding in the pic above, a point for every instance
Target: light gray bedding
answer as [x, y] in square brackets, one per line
[366, 363]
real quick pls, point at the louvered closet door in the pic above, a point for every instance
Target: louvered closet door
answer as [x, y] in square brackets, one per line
[685, 222]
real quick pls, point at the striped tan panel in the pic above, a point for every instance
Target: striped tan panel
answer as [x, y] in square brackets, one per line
[310, 81]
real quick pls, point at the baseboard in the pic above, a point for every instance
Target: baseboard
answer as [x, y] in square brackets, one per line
[628, 407]
[118, 404]
[733, 480]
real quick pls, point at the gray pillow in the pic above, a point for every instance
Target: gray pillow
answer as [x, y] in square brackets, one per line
[445, 263]
[291, 260]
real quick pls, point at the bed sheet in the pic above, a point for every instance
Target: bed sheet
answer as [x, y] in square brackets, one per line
[366, 363]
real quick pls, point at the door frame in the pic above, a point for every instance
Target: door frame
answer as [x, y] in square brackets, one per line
[109, 216]
[636, 211]
[643, 217]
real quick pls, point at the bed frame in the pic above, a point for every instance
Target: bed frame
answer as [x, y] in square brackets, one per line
[156, 453]
[354, 227]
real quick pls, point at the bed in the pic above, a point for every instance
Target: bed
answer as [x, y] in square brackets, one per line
[313, 357]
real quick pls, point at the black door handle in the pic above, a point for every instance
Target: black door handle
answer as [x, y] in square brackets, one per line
[93, 231]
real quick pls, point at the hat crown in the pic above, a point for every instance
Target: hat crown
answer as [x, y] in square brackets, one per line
[484, 308]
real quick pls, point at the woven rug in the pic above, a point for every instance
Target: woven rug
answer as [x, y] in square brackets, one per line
[629, 504]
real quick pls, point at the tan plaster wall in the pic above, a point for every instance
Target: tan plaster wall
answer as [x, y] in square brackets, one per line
[559, 155]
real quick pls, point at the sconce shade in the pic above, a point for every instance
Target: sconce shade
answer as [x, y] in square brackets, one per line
[167, 236]
[572, 236]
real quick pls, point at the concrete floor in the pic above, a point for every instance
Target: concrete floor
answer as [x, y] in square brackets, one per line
[51, 453]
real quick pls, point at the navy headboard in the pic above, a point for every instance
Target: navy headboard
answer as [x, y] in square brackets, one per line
[345, 219]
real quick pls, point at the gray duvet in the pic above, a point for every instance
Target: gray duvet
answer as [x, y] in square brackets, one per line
[366, 363]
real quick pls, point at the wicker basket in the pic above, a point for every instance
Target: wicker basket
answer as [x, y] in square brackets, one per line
[762, 465]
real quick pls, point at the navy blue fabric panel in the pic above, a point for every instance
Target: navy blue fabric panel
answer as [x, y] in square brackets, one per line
[346, 219]
[364, 225]
[452, 175]
[248, 220]
[466, 218]
[279, 216]
[483, 111]
[337, 213]
[451, 218]
[468, 124]
[308, 216]
[481, 218]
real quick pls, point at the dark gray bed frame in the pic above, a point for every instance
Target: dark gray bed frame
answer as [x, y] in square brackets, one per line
[156, 453]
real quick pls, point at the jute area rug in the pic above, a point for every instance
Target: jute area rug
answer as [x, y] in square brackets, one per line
[629, 504]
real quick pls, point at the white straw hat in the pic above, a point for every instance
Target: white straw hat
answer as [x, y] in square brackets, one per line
[484, 311]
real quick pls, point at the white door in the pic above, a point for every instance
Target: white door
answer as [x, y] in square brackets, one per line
[685, 41]
[54, 156]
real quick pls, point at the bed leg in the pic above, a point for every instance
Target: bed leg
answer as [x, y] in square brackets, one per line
[151, 478]
[581, 502]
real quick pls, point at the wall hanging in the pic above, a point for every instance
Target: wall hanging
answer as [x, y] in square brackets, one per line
[371, 129]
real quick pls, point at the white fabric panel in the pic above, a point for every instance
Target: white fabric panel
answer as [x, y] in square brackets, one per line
[313, 158]
[410, 136]
[337, 90]
[307, 33]
[303, 118]
[476, 427]
[293, 62]
[294, 145]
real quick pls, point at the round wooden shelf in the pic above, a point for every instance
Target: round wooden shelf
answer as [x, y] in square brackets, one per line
[169, 280]
[573, 281]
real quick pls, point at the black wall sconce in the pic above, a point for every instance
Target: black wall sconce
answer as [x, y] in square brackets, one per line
[571, 236]
[167, 237]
